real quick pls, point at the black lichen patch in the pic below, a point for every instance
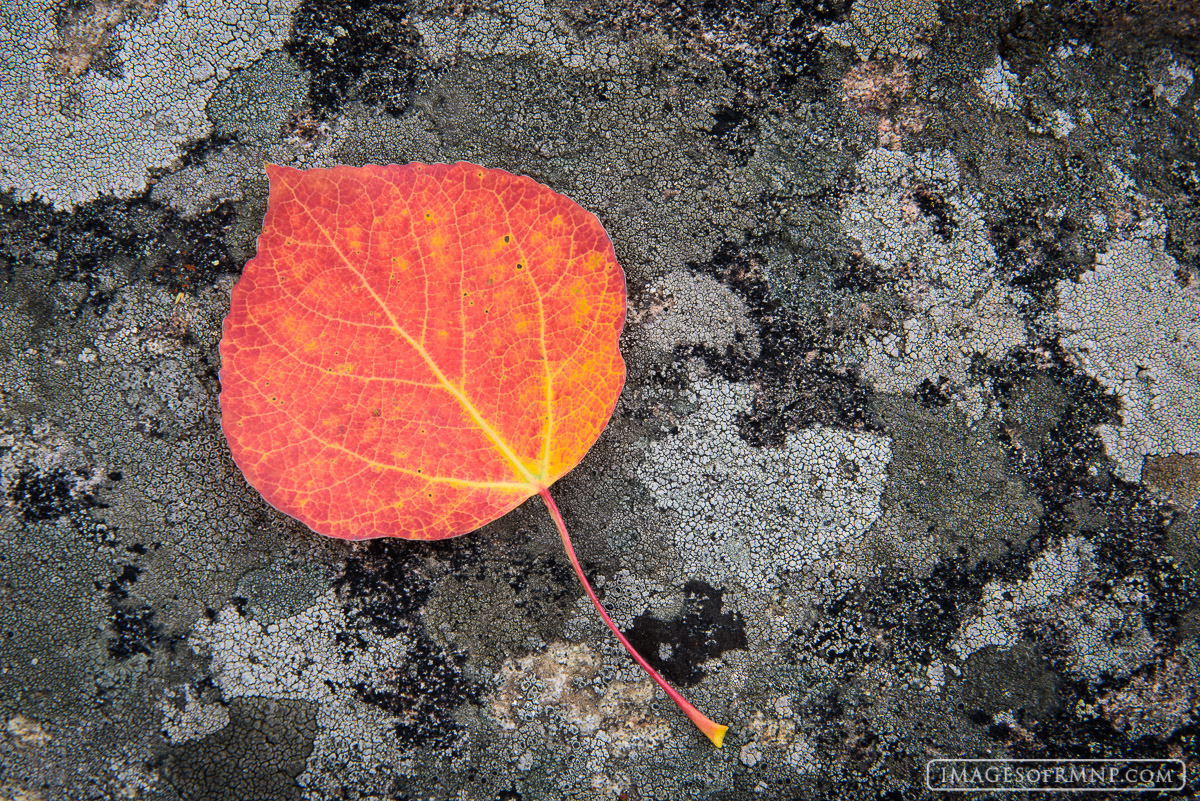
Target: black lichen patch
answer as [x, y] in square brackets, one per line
[736, 131]
[361, 50]
[133, 630]
[839, 637]
[385, 587]
[1039, 245]
[258, 755]
[930, 394]
[1126, 523]
[860, 274]
[934, 208]
[102, 244]
[902, 619]
[796, 386]
[48, 496]
[423, 694]
[702, 632]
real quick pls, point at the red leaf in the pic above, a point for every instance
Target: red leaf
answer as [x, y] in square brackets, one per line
[417, 349]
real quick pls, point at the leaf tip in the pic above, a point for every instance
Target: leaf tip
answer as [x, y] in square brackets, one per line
[277, 172]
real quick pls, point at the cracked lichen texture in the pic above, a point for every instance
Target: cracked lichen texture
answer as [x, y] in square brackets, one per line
[953, 496]
[1055, 574]
[1096, 636]
[1000, 86]
[746, 516]
[305, 657]
[791, 537]
[187, 716]
[254, 103]
[569, 685]
[219, 178]
[914, 219]
[684, 308]
[151, 398]
[896, 27]
[607, 716]
[508, 27]
[116, 403]
[1134, 327]
[69, 139]
[635, 151]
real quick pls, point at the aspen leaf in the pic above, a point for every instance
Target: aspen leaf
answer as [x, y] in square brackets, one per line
[415, 350]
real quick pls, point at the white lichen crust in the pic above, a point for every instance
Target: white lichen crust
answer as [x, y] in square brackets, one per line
[508, 27]
[69, 138]
[895, 27]
[196, 718]
[999, 86]
[1097, 636]
[745, 515]
[300, 657]
[1054, 575]
[944, 267]
[687, 308]
[1136, 330]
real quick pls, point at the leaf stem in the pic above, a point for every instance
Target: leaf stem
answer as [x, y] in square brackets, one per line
[712, 731]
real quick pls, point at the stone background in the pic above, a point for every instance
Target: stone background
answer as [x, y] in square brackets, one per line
[907, 464]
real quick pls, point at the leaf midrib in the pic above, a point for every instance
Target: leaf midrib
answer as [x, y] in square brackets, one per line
[535, 483]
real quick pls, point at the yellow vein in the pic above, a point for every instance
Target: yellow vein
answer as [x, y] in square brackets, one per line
[489, 432]
[462, 482]
[386, 379]
[548, 430]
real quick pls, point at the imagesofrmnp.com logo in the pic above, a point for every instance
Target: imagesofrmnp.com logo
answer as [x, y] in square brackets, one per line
[1056, 775]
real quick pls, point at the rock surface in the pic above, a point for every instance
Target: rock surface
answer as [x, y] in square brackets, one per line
[905, 465]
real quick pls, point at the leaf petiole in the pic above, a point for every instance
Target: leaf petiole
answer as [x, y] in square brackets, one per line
[713, 731]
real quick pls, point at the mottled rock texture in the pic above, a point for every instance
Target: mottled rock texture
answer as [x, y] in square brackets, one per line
[906, 463]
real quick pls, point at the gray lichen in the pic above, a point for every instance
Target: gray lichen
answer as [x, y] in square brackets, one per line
[897, 28]
[683, 309]
[917, 222]
[255, 102]
[743, 516]
[217, 179]
[73, 132]
[1136, 330]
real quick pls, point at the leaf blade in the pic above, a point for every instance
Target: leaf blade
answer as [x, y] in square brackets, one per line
[453, 330]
